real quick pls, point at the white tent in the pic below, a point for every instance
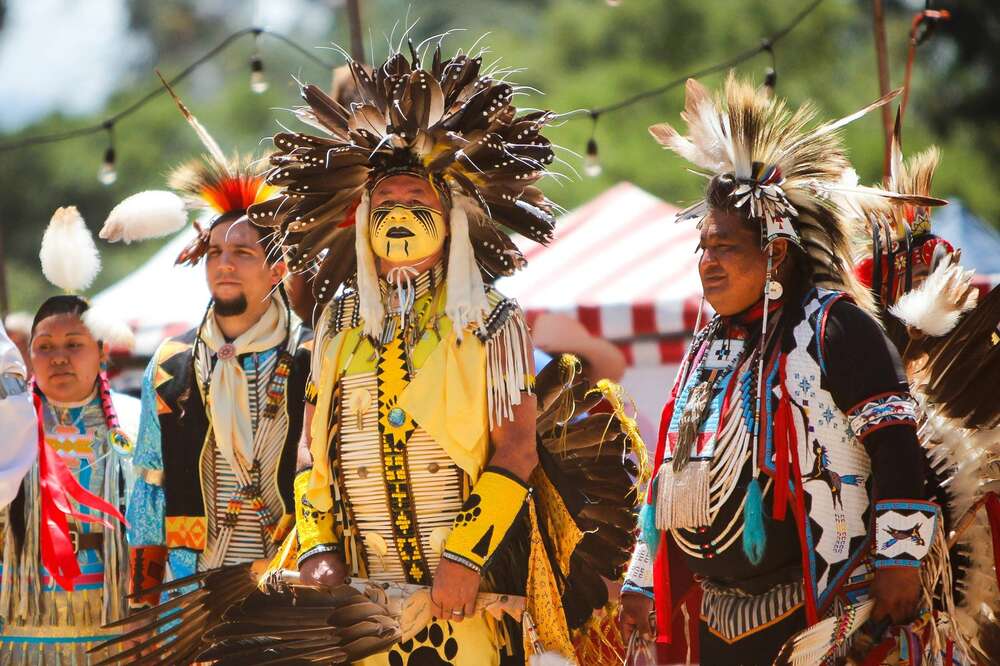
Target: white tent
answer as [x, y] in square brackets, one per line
[159, 299]
[621, 267]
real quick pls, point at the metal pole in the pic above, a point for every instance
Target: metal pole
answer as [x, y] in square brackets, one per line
[354, 22]
[882, 55]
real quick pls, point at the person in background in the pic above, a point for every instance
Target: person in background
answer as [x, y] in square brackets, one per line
[17, 421]
[18, 325]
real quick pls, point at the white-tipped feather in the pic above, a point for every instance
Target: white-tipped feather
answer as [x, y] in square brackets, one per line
[966, 459]
[149, 214]
[104, 325]
[369, 298]
[69, 257]
[936, 305]
[466, 302]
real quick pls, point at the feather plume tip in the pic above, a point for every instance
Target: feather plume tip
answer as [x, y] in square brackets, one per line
[69, 257]
[150, 214]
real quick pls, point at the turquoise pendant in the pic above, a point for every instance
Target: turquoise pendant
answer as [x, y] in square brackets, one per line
[397, 417]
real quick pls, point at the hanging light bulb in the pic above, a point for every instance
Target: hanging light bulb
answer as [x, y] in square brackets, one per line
[771, 73]
[591, 162]
[258, 82]
[770, 80]
[107, 174]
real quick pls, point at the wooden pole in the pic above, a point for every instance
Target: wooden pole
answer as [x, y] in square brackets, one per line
[354, 23]
[4, 303]
[882, 56]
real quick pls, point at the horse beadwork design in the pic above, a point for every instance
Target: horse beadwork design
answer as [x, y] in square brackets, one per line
[897, 535]
[821, 472]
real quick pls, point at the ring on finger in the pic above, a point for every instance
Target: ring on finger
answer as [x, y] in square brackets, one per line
[458, 613]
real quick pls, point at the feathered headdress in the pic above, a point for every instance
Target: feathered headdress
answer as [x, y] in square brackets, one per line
[214, 185]
[449, 123]
[900, 235]
[788, 171]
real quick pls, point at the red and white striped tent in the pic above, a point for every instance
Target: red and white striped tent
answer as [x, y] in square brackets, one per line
[621, 267]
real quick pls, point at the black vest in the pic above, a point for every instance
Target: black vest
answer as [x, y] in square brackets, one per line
[184, 423]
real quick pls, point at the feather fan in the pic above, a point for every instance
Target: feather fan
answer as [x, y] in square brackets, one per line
[815, 644]
[69, 257]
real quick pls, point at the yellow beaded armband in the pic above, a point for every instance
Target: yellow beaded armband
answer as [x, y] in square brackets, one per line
[313, 527]
[480, 527]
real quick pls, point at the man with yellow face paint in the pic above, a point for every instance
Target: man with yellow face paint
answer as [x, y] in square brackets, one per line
[406, 234]
[419, 462]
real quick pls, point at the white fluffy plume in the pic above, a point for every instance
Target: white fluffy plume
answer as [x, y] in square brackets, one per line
[104, 325]
[936, 305]
[69, 257]
[150, 214]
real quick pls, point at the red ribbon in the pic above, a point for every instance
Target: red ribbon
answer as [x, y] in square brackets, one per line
[58, 486]
[784, 440]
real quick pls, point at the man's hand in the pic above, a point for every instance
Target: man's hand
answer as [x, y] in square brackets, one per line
[635, 615]
[323, 569]
[897, 593]
[454, 591]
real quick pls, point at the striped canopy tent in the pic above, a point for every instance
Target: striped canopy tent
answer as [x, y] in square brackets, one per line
[621, 267]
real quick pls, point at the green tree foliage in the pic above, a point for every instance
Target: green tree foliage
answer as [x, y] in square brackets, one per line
[580, 53]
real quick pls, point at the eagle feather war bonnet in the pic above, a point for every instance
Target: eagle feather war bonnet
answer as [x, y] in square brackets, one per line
[450, 124]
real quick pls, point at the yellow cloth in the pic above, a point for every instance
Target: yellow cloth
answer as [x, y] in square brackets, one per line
[559, 524]
[447, 397]
[228, 392]
[471, 642]
[321, 477]
[314, 527]
[544, 598]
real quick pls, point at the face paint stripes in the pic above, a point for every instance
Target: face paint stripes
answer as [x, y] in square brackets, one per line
[402, 233]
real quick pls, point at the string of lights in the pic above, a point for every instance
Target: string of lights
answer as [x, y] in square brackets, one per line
[107, 173]
[591, 160]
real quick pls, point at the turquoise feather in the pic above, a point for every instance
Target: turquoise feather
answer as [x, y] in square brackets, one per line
[647, 523]
[754, 538]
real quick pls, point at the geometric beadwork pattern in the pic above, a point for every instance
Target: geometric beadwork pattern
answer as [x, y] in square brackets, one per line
[395, 428]
[882, 411]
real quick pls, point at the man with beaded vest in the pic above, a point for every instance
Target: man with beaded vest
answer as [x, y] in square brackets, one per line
[789, 478]
[222, 402]
[419, 458]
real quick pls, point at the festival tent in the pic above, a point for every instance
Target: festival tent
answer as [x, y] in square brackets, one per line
[159, 299]
[980, 243]
[626, 271]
